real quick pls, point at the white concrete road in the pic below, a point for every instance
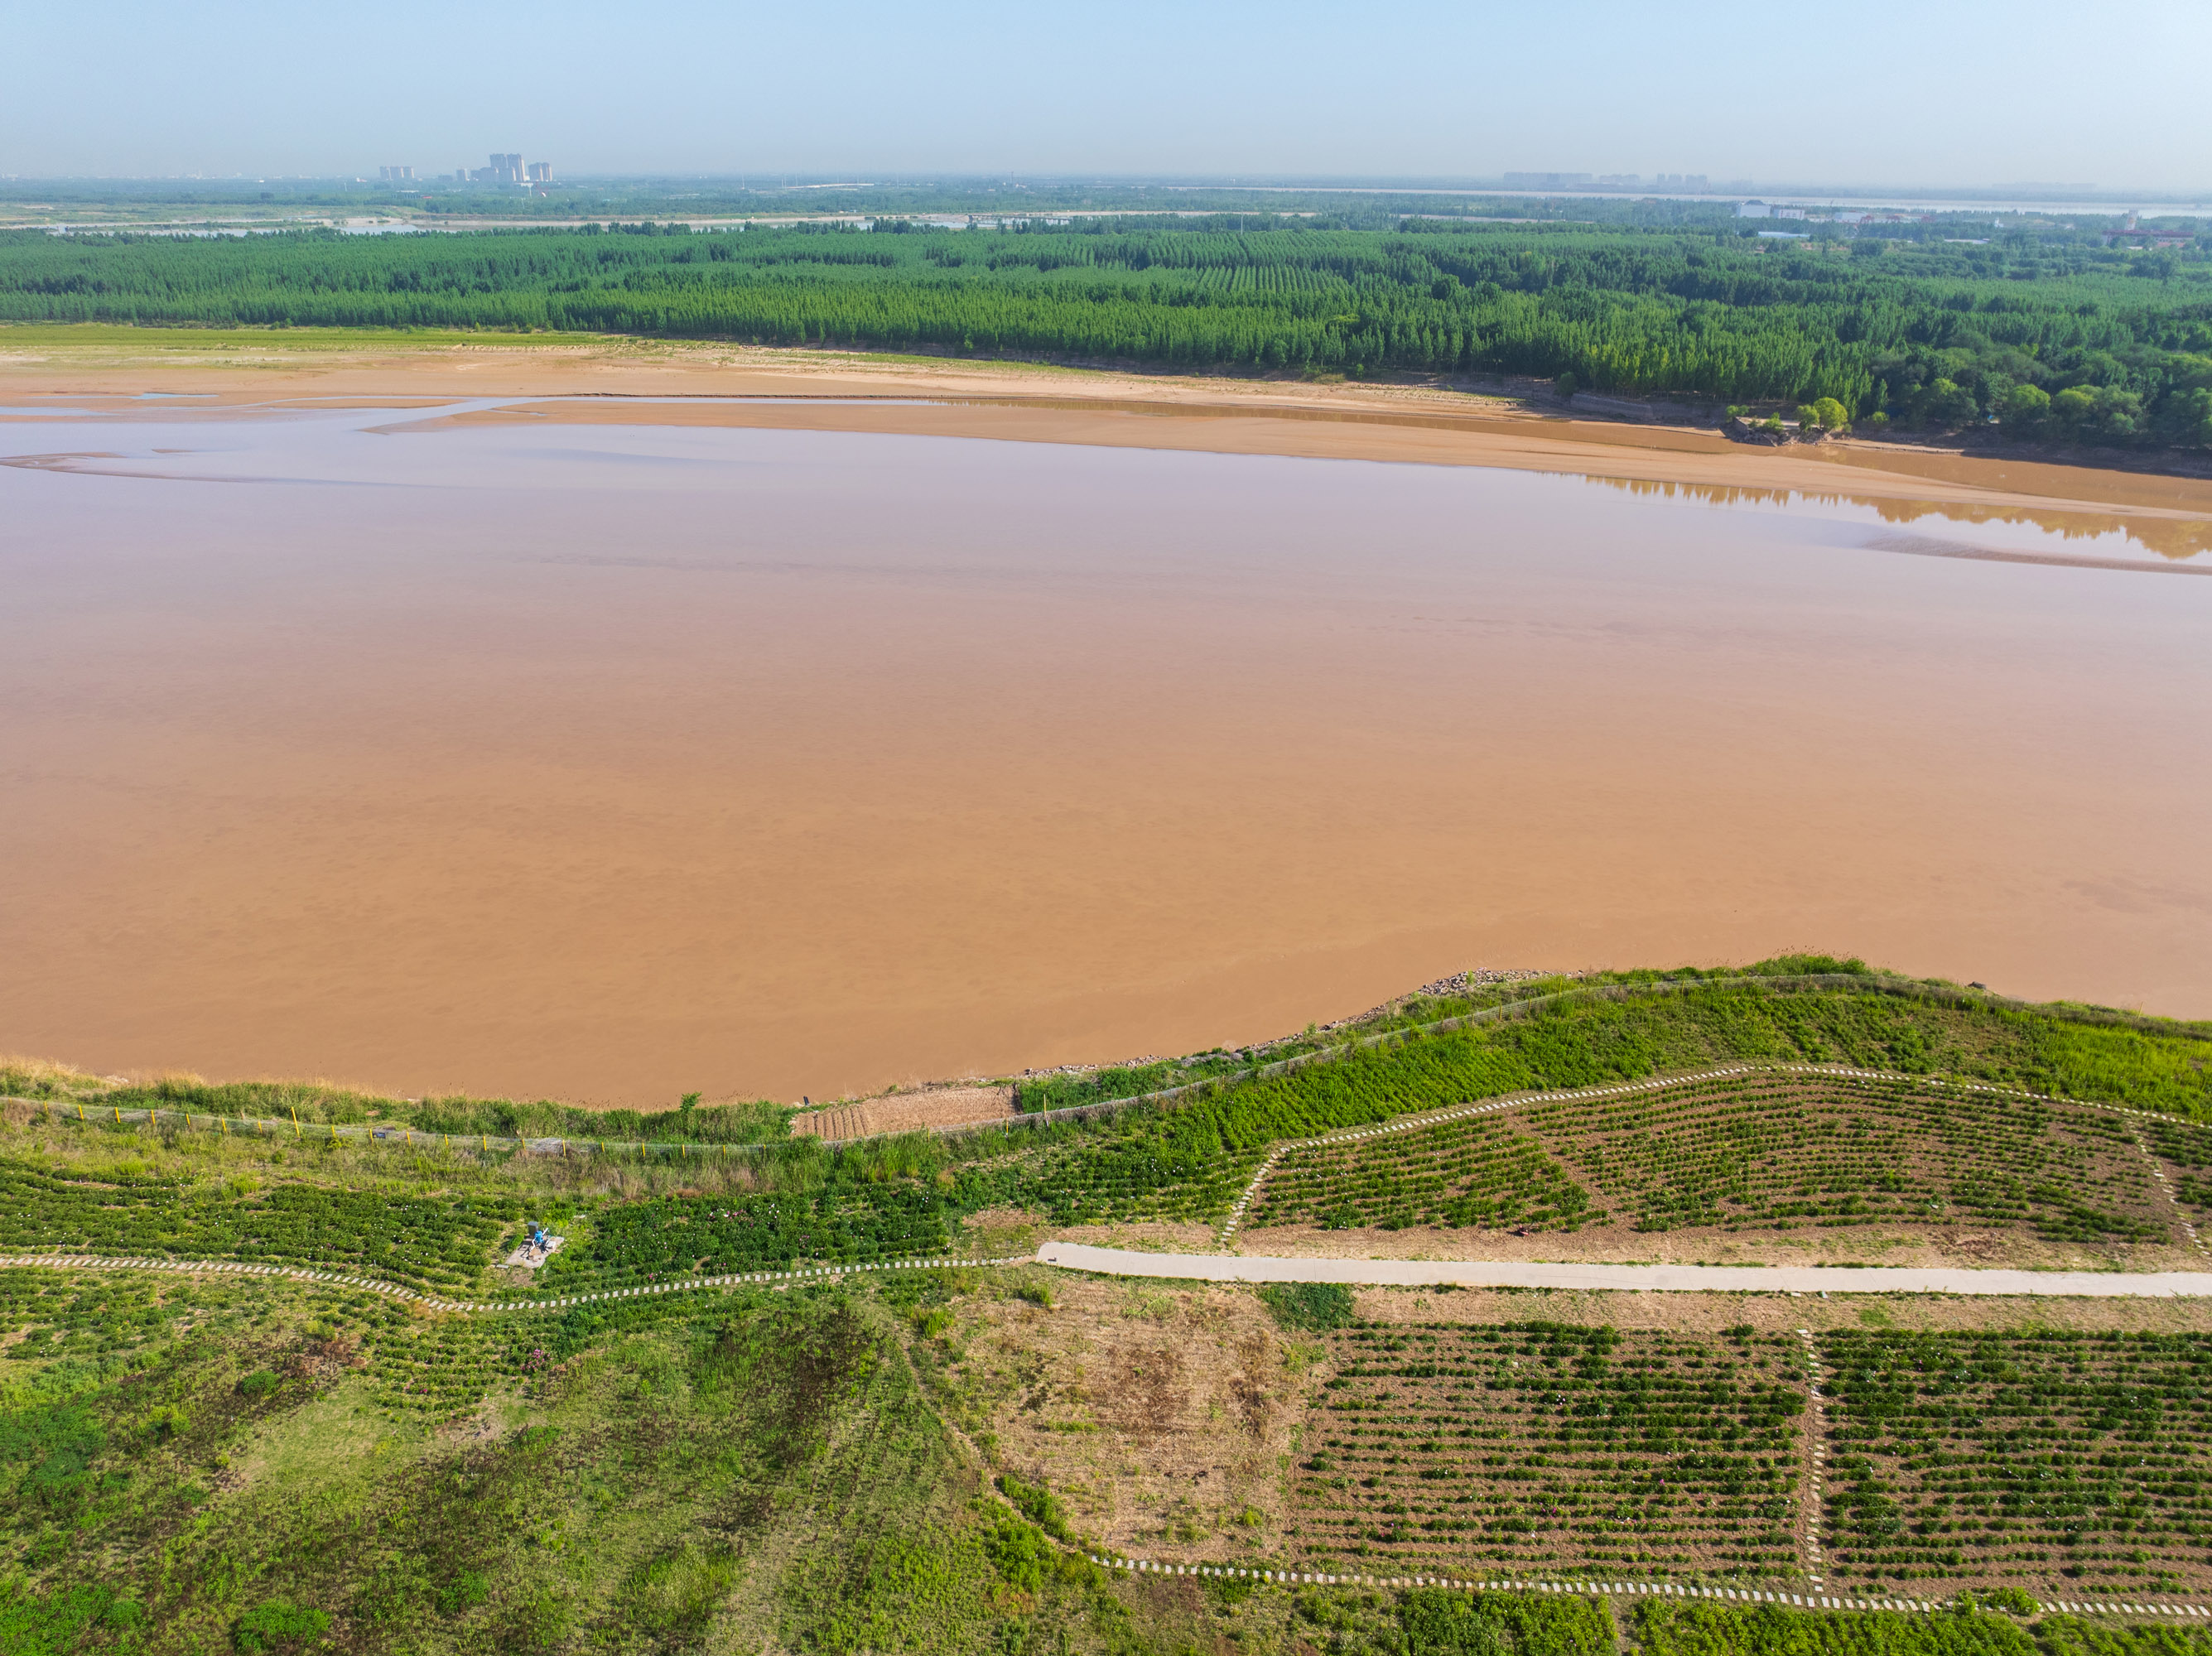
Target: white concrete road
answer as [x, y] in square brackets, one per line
[1678, 1279]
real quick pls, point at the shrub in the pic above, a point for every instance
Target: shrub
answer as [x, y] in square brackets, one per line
[1314, 1307]
[277, 1626]
[1037, 1504]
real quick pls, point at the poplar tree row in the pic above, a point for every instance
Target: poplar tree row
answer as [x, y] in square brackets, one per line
[1923, 335]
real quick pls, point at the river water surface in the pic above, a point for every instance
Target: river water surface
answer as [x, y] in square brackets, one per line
[615, 761]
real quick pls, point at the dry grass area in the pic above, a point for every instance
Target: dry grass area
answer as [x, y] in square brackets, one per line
[1975, 1246]
[908, 1111]
[1163, 1418]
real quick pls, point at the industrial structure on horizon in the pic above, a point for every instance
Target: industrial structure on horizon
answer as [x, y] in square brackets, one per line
[1604, 181]
[505, 167]
[508, 169]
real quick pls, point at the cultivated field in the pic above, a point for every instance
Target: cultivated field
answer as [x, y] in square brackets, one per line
[269, 1388]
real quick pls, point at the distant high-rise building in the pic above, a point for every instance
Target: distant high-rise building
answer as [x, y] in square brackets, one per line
[507, 166]
[396, 174]
[1546, 181]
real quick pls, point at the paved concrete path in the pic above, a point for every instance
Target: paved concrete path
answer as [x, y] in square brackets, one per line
[1681, 1279]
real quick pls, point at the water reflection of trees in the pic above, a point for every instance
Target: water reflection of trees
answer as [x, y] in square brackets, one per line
[2169, 538]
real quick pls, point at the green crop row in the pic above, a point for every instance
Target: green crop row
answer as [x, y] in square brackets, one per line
[1537, 1447]
[427, 1241]
[1769, 1148]
[2049, 1456]
[1477, 1172]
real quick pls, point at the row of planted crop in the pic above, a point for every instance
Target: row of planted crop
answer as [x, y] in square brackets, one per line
[1339, 1178]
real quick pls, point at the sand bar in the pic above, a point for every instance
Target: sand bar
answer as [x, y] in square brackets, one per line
[628, 382]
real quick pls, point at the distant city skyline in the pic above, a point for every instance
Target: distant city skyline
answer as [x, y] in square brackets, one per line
[1971, 92]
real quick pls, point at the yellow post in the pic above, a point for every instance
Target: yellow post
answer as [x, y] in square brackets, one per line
[295, 1123]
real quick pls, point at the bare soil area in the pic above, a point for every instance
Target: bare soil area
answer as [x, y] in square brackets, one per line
[1769, 1313]
[1976, 1246]
[908, 1111]
[1162, 1418]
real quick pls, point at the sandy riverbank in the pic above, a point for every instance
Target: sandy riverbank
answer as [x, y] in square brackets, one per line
[111, 370]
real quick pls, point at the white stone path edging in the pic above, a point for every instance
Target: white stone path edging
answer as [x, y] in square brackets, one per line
[226, 1267]
[1814, 1511]
[1613, 1589]
[1427, 1118]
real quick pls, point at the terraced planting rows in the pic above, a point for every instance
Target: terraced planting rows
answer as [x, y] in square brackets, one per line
[1138, 1170]
[1538, 1448]
[1479, 1172]
[2079, 1464]
[1771, 1148]
[677, 1235]
[430, 1241]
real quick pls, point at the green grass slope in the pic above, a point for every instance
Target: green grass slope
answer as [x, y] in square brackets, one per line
[200, 1462]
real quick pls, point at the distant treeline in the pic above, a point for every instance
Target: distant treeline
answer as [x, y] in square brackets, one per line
[2092, 344]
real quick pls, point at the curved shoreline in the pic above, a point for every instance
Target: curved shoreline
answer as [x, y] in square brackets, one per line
[607, 380]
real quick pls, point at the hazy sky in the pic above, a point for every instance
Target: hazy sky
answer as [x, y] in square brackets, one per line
[1930, 92]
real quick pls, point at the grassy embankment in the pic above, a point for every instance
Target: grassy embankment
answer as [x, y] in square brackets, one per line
[208, 1463]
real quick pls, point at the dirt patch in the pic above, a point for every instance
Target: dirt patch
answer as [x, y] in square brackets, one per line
[1770, 1312]
[916, 1112]
[1147, 1236]
[1929, 1247]
[1162, 1419]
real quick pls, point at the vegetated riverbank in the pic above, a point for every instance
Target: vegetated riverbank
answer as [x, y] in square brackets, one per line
[2041, 333]
[956, 1460]
[1900, 1158]
[1403, 418]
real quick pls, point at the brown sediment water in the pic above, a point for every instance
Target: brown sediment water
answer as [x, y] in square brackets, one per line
[619, 760]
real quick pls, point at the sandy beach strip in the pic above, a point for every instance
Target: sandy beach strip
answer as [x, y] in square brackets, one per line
[695, 384]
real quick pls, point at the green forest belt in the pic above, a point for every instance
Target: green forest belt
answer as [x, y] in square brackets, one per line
[1618, 1590]
[226, 1267]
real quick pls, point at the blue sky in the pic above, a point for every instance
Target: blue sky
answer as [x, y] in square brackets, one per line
[1970, 91]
